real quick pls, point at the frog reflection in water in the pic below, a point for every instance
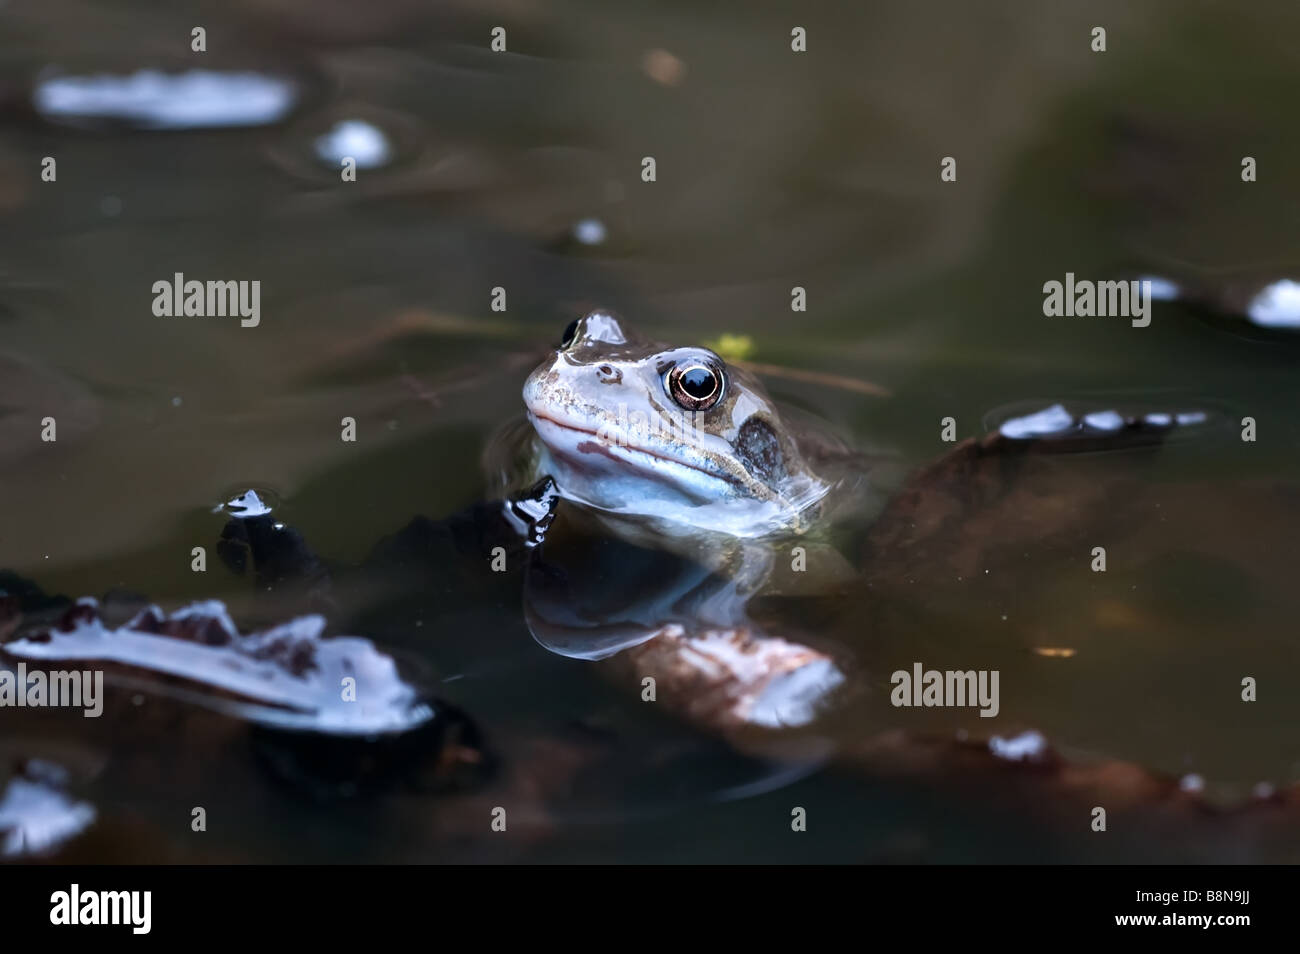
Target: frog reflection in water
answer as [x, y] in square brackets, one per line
[700, 497]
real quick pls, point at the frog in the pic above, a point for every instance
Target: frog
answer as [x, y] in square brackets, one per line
[669, 440]
[672, 448]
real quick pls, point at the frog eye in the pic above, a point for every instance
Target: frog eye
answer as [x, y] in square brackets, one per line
[695, 386]
[570, 335]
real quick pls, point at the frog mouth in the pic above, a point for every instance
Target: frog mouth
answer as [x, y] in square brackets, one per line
[600, 444]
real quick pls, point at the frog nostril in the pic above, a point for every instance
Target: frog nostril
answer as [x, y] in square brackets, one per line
[608, 374]
[570, 335]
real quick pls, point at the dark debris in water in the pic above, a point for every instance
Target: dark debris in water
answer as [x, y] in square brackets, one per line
[447, 754]
[277, 553]
[1027, 765]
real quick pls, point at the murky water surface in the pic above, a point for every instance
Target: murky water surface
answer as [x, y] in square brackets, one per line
[522, 170]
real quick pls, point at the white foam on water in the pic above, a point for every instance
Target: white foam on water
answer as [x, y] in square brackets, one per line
[260, 667]
[1053, 420]
[590, 232]
[356, 139]
[1104, 420]
[1277, 305]
[36, 817]
[247, 504]
[1161, 289]
[195, 99]
[1025, 746]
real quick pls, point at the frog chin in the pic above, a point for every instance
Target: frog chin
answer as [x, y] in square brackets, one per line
[592, 469]
[663, 502]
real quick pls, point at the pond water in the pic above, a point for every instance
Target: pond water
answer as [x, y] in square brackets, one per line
[522, 170]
